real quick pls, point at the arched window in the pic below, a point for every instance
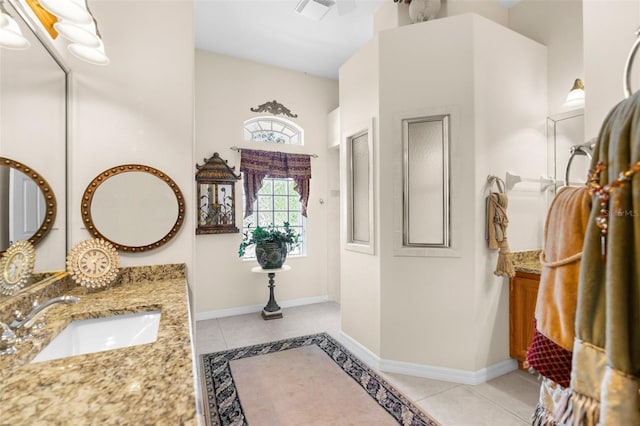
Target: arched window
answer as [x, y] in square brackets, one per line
[277, 201]
[273, 130]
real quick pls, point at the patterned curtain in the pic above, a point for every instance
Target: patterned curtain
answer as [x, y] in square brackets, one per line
[256, 165]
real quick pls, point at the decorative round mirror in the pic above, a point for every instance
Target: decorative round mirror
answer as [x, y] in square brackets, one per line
[134, 207]
[27, 204]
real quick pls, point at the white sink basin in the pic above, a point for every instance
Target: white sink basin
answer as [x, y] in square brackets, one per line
[102, 334]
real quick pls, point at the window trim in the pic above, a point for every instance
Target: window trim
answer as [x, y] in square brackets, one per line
[351, 244]
[302, 228]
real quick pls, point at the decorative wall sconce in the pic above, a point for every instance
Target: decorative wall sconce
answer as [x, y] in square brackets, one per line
[10, 35]
[216, 197]
[575, 98]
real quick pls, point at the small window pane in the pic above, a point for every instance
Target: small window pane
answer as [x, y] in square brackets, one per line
[264, 202]
[281, 218]
[279, 203]
[294, 202]
[267, 187]
[266, 218]
[294, 218]
[280, 187]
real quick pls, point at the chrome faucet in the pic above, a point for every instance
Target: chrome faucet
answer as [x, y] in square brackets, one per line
[23, 325]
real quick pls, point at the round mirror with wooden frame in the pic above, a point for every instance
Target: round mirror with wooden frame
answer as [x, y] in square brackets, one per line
[27, 204]
[134, 207]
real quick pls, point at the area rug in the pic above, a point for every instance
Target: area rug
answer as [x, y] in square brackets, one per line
[310, 380]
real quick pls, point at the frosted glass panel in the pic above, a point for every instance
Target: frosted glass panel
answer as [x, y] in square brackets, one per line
[360, 188]
[426, 200]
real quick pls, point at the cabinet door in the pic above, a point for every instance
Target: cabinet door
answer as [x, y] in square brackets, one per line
[523, 292]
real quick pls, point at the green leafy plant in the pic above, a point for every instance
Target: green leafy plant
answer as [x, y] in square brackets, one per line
[283, 235]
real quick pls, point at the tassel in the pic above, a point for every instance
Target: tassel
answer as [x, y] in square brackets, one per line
[504, 267]
[542, 417]
[579, 410]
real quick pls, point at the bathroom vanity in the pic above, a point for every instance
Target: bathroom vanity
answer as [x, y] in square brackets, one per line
[523, 292]
[153, 383]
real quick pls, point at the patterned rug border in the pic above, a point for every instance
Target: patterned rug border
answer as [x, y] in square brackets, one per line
[223, 407]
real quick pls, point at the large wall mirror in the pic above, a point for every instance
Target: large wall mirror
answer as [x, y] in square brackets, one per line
[33, 140]
[135, 207]
[28, 208]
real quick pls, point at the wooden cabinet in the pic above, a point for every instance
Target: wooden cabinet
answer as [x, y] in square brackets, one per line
[523, 291]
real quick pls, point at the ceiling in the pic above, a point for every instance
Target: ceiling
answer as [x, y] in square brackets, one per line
[271, 32]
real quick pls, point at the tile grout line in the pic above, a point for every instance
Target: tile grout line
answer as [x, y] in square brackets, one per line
[496, 403]
[226, 345]
[455, 385]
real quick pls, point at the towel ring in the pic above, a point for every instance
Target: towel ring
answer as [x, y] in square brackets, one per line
[585, 149]
[491, 180]
[627, 68]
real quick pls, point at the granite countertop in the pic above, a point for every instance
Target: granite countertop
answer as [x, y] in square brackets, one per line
[527, 261]
[147, 384]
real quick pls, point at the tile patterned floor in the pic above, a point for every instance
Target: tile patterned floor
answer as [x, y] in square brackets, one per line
[508, 400]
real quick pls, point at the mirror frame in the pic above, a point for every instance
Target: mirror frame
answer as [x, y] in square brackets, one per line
[47, 192]
[87, 198]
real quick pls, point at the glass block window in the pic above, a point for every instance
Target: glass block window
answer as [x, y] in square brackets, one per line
[273, 130]
[277, 203]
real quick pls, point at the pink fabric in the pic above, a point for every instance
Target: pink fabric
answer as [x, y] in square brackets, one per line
[257, 164]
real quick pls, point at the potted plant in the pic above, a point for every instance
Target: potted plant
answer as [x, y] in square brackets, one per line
[272, 244]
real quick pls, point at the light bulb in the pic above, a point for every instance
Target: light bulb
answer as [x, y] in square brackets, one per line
[77, 33]
[10, 35]
[93, 55]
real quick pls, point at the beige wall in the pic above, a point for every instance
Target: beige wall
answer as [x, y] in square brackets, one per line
[511, 101]
[359, 272]
[139, 109]
[445, 310]
[226, 88]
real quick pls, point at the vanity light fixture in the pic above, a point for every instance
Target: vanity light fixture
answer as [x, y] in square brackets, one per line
[10, 35]
[77, 24]
[575, 98]
[68, 10]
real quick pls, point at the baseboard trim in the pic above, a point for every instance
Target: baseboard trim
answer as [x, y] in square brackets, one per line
[359, 350]
[449, 374]
[241, 310]
[427, 371]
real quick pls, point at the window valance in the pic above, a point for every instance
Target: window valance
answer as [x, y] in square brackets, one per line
[257, 164]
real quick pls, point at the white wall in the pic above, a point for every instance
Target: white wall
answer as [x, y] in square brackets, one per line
[557, 25]
[392, 15]
[609, 32]
[138, 109]
[489, 9]
[226, 88]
